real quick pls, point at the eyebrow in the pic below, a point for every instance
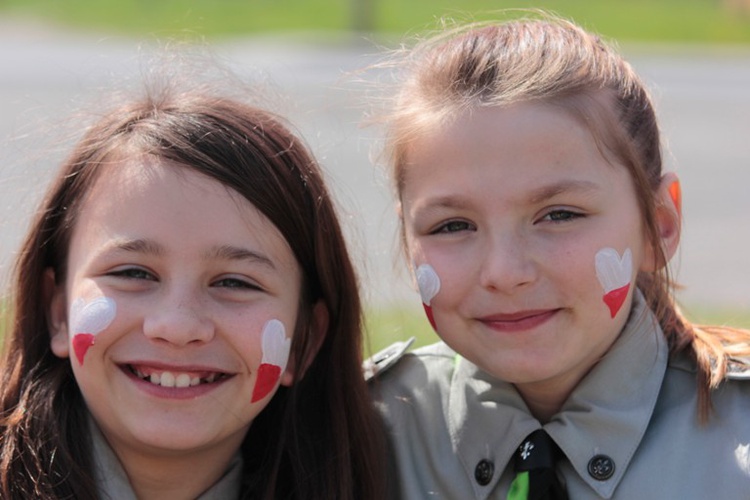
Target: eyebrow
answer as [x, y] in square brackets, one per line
[565, 186]
[537, 195]
[223, 252]
[144, 246]
[230, 252]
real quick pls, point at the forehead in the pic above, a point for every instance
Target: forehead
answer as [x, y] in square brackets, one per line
[146, 197]
[514, 159]
[516, 141]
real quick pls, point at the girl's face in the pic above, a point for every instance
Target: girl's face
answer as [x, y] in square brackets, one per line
[177, 311]
[526, 242]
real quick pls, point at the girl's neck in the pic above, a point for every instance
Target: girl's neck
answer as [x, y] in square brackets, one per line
[545, 399]
[175, 477]
[542, 407]
[155, 474]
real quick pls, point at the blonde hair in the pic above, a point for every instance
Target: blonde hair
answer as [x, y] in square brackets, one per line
[554, 61]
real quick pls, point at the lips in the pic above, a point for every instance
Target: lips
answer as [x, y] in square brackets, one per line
[176, 378]
[519, 321]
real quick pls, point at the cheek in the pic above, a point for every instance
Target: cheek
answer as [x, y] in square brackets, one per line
[615, 273]
[442, 286]
[275, 354]
[86, 320]
[428, 283]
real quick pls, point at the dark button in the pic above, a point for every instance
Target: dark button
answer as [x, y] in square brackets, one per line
[483, 472]
[601, 467]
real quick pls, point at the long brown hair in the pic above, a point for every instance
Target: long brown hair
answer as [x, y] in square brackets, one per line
[551, 60]
[319, 438]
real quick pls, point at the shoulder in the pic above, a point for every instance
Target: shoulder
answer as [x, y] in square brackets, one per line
[412, 379]
[396, 360]
[738, 369]
[412, 397]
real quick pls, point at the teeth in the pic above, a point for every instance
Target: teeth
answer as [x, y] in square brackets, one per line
[179, 380]
[167, 379]
[182, 380]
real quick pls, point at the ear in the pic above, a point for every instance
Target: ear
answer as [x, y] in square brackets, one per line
[318, 329]
[57, 314]
[668, 217]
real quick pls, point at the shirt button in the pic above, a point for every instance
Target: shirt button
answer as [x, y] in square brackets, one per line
[483, 472]
[601, 467]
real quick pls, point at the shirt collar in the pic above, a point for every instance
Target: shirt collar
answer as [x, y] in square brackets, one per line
[607, 413]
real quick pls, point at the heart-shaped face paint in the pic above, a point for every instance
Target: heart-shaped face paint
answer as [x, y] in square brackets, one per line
[614, 273]
[429, 285]
[276, 348]
[88, 319]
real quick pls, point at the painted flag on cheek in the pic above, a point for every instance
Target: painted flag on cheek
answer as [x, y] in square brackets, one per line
[276, 348]
[429, 285]
[87, 320]
[614, 273]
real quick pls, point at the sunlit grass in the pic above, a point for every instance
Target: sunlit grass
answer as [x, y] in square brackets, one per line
[386, 326]
[636, 20]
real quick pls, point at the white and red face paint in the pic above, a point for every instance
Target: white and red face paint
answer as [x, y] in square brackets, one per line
[276, 348]
[429, 285]
[86, 320]
[614, 273]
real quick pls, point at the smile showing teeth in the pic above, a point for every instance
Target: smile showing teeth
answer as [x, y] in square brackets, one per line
[171, 379]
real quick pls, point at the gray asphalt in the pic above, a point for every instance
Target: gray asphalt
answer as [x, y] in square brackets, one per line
[702, 93]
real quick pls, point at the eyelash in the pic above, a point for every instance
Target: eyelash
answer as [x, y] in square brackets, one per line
[449, 227]
[567, 215]
[235, 283]
[133, 273]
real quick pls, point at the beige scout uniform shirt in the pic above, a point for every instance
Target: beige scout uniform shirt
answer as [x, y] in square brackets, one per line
[113, 483]
[629, 430]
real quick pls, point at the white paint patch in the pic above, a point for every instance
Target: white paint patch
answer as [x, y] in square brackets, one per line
[612, 270]
[428, 282]
[276, 345]
[742, 455]
[91, 317]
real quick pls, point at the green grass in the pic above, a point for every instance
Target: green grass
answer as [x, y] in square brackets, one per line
[719, 316]
[632, 20]
[386, 326]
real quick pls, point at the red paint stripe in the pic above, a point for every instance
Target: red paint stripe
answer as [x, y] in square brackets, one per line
[81, 344]
[430, 317]
[616, 298]
[268, 375]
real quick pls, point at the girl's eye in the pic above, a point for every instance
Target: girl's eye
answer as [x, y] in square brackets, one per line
[453, 226]
[235, 283]
[561, 216]
[134, 273]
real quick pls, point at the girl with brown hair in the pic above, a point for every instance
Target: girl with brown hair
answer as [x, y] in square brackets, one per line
[539, 223]
[185, 318]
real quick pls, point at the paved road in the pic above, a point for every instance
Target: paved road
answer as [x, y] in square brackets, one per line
[703, 96]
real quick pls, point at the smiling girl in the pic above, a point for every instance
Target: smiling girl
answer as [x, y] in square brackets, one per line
[186, 321]
[539, 223]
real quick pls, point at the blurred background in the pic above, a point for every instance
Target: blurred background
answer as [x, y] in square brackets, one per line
[56, 57]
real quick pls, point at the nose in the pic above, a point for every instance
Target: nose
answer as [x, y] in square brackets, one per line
[179, 318]
[507, 263]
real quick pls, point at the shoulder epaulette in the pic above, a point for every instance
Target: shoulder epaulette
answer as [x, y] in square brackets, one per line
[738, 369]
[383, 360]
